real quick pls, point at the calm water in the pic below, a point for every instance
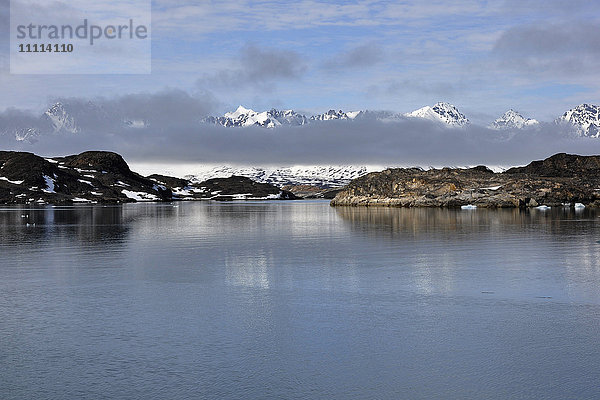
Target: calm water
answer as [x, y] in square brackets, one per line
[298, 300]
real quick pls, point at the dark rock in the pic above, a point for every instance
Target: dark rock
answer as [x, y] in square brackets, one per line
[241, 187]
[169, 180]
[87, 177]
[104, 177]
[312, 191]
[26, 167]
[99, 161]
[560, 179]
[561, 165]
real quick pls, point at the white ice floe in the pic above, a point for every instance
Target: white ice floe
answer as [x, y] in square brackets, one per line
[543, 207]
[579, 205]
[468, 207]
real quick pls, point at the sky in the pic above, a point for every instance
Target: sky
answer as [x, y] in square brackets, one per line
[539, 57]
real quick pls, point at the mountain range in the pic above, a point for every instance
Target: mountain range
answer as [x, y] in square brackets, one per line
[512, 119]
[444, 113]
[323, 176]
[267, 119]
[66, 119]
[584, 119]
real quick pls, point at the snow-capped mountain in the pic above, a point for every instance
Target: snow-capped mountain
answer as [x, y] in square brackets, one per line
[74, 117]
[273, 118]
[268, 119]
[585, 118]
[511, 120]
[442, 112]
[322, 176]
[29, 135]
[71, 118]
[60, 119]
[332, 114]
[288, 117]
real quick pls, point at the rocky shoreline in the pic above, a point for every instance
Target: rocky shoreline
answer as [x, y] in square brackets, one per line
[104, 177]
[560, 180]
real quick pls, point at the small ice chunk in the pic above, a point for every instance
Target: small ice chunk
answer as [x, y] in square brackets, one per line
[468, 207]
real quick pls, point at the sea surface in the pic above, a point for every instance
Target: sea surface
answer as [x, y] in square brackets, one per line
[298, 300]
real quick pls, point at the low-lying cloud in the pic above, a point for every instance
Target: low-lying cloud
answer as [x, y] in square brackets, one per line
[173, 133]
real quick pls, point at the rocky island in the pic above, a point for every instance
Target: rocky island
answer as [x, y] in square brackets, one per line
[105, 177]
[563, 179]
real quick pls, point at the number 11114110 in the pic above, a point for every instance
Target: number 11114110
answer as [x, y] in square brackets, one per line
[45, 48]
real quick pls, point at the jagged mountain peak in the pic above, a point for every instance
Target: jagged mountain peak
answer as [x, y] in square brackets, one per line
[241, 110]
[243, 116]
[441, 112]
[512, 119]
[288, 117]
[333, 114]
[585, 118]
[56, 108]
[29, 135]
[444, 105]
[60, 119]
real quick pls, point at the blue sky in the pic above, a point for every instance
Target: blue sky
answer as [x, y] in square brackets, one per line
[539, 57]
